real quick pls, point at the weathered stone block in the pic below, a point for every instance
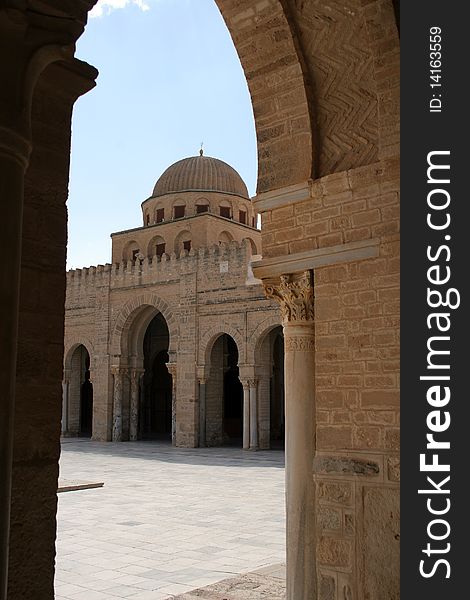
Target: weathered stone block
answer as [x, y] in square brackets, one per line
[335, 552]
[380, 541]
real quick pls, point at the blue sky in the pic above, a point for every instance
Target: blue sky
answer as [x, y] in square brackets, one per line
[169, 79]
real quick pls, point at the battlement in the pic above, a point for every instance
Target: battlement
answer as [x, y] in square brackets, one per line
[230, 258]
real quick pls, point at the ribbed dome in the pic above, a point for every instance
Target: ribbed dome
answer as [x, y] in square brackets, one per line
[200, 173]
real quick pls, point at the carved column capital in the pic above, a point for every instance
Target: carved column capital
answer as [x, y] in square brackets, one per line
[119, 371]
[136, 373]
[295, 295]
[245, 384]
[172, 368]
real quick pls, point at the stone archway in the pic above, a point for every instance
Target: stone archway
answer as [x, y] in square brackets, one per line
[273, 69]
[77, 412]
[155, 414]
[223, 394]
[131, 366]
[269, 367]
[130, 326]
[209, 337]
[339, 70]
[268, 364]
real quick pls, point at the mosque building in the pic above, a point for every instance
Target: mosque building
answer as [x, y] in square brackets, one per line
[176, 339]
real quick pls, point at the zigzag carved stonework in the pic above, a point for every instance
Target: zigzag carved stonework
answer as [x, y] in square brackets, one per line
[295, 295]
[335, 40]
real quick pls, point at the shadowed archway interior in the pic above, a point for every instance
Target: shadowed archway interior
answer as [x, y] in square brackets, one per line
[155, 420]
[224, 402]
[80, 395]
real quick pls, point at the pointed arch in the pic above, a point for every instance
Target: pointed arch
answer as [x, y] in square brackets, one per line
[136, 315]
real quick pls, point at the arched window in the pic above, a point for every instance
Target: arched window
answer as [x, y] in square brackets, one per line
[147, 219]
[225, 236]
[179, 211]
[225, 210]
[130, 251]
[159, 215]
[254, 249]
[183, 242]
[242, 215]
[202, 206]
[156, 246]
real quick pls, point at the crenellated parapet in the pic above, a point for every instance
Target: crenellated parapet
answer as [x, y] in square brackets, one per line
[227, 258]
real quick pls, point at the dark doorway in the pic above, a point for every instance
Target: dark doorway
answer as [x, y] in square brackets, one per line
[156, 403]
[224, 395]
[86, 400]
[233, 395]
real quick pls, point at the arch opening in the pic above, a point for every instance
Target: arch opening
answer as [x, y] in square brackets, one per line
[224, 400]
[182, 242]
[269, 357]
[155, 415]
[225, 237]
[80, 395]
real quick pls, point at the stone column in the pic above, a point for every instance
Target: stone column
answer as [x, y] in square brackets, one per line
[202, 413]
[14, 153]
[295, 294]
[135, 376]
[246, 415]
[172, 370]
[117, 405]
[253, 414]
[31, 40]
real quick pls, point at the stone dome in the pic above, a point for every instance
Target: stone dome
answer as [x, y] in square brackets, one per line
[200, 173]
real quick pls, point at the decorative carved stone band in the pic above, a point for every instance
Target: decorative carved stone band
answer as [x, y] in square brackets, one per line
[295, 295]
[299, 344]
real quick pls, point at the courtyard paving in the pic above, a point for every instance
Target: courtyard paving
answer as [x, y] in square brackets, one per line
[167, 520]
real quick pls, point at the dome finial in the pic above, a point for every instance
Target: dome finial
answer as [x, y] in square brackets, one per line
[201, 151]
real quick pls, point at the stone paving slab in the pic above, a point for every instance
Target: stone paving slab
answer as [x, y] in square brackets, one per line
[167, 520]
[268, 583]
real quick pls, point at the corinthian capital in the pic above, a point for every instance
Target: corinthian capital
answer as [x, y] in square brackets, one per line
[295, 296]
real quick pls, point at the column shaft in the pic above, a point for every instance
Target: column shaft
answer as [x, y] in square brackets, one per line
[117, 407]
[300, 433]
[173, 411]
[295, 295]
[246, 416]
[202, 414]
[134, 407]
[253, 416]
